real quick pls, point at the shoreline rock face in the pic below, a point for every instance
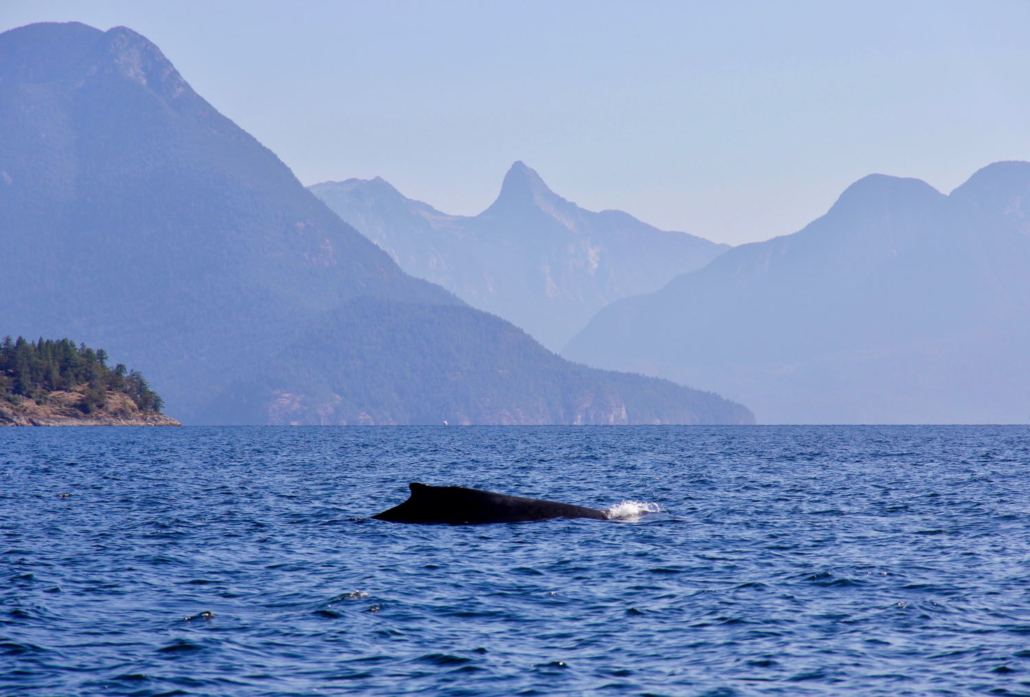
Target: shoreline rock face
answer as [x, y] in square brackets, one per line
[61, 409]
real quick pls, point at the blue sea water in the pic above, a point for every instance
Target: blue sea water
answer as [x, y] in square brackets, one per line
[784, 561]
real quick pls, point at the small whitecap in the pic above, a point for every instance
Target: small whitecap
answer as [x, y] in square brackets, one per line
[631, 510]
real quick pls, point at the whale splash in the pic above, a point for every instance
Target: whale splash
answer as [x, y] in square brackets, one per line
[632, 511]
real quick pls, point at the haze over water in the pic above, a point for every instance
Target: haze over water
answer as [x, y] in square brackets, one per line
[786, 560]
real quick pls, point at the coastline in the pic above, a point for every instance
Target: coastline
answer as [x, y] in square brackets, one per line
[61, 409]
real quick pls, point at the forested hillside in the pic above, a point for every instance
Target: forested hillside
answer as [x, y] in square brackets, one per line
[58, 377]
[423, 365]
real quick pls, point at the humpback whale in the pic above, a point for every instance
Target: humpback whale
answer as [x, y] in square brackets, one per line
[456, 505]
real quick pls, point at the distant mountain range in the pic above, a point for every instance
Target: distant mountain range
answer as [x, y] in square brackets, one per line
[900, 305]
[532, 257]
[136, 217]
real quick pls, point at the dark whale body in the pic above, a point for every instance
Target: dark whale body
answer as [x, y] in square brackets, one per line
[456, 505]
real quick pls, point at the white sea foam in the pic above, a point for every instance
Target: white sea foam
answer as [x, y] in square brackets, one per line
[632, 510]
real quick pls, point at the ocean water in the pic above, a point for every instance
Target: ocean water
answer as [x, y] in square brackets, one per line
[781, 561]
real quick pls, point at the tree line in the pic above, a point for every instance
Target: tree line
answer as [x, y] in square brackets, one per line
[33, 370]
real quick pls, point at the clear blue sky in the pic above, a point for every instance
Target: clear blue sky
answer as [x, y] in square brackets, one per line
[737, 121]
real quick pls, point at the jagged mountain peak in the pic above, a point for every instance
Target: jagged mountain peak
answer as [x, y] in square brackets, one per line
[523, 187]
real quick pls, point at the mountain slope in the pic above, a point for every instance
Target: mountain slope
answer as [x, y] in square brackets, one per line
[900, 305]
[137, 217]
[532, 257]
[403, 367]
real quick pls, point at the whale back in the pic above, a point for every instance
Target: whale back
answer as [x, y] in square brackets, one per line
[457, 505]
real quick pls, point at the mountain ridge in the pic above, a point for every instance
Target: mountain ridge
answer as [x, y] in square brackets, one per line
[137, 217]
[532, 256]
[897, 298]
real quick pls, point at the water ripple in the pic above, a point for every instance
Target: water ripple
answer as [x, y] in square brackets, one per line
[777, 561]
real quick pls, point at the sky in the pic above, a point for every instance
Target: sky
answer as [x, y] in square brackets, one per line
[736, 121]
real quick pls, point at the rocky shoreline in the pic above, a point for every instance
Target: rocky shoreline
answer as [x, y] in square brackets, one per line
[61, 409]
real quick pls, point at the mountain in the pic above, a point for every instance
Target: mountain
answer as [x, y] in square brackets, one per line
[404, 367]
[532, 257]
[135, 216]
[900, 305]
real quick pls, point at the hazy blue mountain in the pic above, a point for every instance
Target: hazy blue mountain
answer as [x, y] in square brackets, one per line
[387, 362]
[532, 257]
[900, 305]
[136, 217]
